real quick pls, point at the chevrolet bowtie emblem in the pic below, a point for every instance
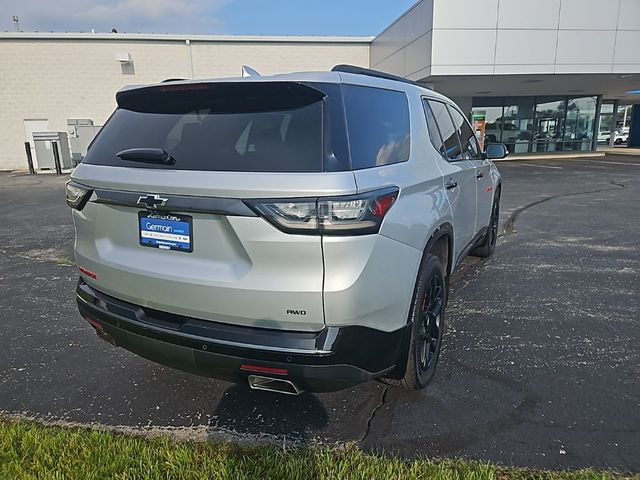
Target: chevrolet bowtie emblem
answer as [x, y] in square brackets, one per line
[152, 201]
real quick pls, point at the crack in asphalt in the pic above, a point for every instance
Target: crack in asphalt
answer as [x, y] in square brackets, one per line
[509, 225]
[373, 414]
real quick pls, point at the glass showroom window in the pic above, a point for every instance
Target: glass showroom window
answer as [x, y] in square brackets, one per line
[517, 125]
[549, 124]
[580, 123]
[537, 124]
[486, 117]
[604, 125]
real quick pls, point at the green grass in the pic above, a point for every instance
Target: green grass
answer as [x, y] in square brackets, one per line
[30, 450]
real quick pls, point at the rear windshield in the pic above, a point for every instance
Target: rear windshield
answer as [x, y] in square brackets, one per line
[257, 127]
[270, 127]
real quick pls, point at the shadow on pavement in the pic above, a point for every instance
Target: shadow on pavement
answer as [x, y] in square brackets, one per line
[246, 412]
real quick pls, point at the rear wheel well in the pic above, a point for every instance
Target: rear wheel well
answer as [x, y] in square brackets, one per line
[441, 248]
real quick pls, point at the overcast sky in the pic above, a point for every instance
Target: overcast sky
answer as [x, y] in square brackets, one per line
[257, 17]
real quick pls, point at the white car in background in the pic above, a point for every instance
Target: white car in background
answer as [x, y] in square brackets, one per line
[621, 136]
[510, 132]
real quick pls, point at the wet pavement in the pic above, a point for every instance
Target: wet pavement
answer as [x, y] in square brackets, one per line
[540, 364]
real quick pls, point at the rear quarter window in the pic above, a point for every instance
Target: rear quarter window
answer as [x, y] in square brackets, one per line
[378, 126]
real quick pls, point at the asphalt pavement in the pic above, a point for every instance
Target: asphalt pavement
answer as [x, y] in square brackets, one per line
[540, 364]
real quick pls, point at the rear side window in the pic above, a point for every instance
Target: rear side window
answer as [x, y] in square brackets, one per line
[258, 127]
[377, 125]
[447, 130]
[468, 142]
[434, 131]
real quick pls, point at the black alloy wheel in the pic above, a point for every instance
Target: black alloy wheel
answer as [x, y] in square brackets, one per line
[426, 321]
[430, 332]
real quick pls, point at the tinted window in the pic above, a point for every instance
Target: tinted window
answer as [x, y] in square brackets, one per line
[378, 126]
[468, 140]
[434, 133]
[263, 127]
[447, 130]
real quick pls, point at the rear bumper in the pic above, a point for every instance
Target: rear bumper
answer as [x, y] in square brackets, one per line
[331, 359]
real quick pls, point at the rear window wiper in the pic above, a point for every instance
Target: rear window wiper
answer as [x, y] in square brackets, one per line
[147, 155]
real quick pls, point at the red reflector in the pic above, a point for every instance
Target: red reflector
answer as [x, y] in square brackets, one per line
[382, 204]
[488, 189]
[93, 322]
[259, 369]
[88, 273]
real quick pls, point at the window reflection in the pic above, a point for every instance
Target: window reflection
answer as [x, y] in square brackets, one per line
[518, 124]
[579, 126]
[536, 124]
[549, 124]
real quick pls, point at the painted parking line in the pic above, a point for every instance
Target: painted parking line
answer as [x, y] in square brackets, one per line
[535, 165]
[614, 163]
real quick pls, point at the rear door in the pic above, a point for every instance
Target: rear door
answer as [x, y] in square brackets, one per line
[458, 174]
[172, 231]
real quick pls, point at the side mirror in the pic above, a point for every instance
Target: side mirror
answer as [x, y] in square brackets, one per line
[496, 151]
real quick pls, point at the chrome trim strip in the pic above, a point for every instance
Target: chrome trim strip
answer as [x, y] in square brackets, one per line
[174, 203]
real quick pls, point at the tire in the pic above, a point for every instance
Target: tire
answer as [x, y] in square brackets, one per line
[617, 141]
[488, 244]
[427, 322]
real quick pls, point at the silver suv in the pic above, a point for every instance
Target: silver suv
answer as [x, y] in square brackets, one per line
[295, 232]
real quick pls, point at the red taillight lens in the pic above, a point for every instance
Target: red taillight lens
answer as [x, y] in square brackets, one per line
[382, 204]
[360, 214]
[88, 273]
[94, 323]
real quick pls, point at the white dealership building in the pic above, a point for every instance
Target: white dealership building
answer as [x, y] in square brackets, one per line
[539, 76]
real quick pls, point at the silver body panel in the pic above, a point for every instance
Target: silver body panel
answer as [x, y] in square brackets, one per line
[245, 271]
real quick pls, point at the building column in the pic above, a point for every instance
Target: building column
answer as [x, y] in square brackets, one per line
[634, 131]
[614, 122]
[596, 124]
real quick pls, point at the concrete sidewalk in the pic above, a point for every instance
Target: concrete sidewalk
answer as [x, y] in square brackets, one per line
[621, 151]
[572, 155]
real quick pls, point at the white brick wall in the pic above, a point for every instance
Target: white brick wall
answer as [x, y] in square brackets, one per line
[57, 78]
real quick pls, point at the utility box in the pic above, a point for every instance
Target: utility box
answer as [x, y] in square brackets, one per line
[43, 142]
[81, 133]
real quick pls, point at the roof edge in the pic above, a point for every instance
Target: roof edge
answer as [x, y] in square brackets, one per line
[183, 37]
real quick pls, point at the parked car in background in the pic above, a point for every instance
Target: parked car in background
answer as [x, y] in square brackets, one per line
[621, 136]
[505, 132]
[296, 232]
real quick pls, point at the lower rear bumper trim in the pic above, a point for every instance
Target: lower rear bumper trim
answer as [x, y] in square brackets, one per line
[331, 359]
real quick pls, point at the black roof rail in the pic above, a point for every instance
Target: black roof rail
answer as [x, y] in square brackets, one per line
[173, 80]
[373, 73]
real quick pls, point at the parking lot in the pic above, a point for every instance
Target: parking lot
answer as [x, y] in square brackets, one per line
[540, 365]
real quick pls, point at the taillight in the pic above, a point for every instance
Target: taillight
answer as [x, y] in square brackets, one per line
[351, 215]
[77, 195]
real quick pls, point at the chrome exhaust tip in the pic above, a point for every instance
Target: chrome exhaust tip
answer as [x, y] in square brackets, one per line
[277, 385]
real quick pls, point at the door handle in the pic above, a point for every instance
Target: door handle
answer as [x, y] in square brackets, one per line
[451, 184]
[480, 175]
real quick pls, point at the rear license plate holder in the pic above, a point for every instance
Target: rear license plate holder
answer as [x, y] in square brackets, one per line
[165, 231]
